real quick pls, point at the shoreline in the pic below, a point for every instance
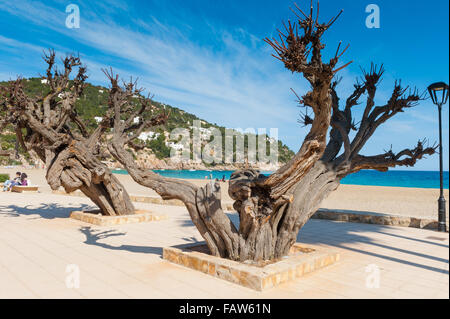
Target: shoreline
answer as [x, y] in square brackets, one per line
[357, 179]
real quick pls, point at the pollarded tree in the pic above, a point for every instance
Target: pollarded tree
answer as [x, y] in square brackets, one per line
[50, 126]
[273, 209]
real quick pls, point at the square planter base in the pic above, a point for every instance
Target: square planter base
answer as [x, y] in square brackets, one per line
[302, 260]
[94, 217]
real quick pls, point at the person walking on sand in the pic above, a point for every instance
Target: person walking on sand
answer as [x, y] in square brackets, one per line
[10, 183]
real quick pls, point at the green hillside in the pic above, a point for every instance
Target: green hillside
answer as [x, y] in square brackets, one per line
[93, 103]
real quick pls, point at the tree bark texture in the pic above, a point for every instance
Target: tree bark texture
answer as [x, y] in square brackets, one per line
[50, 126]
[272, 209]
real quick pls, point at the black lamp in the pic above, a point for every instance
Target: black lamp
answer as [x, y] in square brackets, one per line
[439, 95]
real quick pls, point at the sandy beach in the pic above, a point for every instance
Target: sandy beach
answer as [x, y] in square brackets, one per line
[412, 202]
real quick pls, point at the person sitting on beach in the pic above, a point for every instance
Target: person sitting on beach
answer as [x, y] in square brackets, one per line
[23, 180]
[10, 183]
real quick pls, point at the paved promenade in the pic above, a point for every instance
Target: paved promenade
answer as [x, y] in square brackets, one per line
[41, 251]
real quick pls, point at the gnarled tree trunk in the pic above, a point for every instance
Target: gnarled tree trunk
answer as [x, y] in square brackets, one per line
[269, 228]
[51, 127]
[74, 168]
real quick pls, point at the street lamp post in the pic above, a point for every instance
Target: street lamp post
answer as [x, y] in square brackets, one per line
[439, 94]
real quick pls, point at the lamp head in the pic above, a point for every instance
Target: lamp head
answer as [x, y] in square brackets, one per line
[438, 93]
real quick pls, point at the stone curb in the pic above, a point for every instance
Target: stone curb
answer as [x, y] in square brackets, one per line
[140, 216]
[134, 198]
[374, 218]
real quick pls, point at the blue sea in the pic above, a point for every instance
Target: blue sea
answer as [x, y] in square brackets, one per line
[416, 179]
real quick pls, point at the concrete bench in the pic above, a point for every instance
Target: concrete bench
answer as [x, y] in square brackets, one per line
[21, 189]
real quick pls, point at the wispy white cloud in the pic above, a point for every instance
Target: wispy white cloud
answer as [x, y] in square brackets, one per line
[238, 85]
[234, 82]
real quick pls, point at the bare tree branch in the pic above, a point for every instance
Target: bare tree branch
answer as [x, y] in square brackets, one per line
[382, 162]
[293, 50]
[374, 117]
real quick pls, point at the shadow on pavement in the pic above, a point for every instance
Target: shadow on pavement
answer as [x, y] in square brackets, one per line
[47, 211]
[94, 236]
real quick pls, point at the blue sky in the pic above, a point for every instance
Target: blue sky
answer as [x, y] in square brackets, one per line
[208, 57]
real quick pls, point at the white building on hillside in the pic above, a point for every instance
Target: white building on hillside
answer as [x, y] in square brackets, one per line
[144, 136]
[175, 146]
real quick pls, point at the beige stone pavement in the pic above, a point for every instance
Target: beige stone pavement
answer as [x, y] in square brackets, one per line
[38, 243]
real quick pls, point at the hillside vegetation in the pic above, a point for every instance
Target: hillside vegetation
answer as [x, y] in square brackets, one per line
[92, 106]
